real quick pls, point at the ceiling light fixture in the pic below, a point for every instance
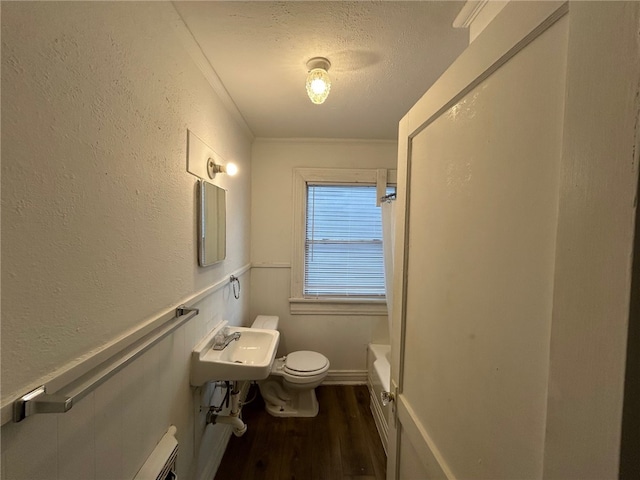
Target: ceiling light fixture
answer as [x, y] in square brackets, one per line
[318, 81]
[213, 168]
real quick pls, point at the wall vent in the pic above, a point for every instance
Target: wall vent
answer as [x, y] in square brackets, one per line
[161, 464]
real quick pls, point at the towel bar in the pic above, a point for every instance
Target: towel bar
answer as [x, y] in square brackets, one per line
[39, 401]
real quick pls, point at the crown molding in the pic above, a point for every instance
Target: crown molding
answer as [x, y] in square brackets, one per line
[203, 64]
[468, 13]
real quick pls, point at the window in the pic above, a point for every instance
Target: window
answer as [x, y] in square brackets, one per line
[337, 263]
[343, 242]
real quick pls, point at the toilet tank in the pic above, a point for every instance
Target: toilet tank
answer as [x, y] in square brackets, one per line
[266, 322]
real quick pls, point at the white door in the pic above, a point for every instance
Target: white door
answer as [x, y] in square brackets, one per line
[479, 166]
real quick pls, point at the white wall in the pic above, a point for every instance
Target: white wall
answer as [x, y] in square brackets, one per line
[342, 339]
[594, 246]
[99, 228]
[484, 17]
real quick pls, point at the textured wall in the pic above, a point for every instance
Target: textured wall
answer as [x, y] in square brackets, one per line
[99, 225]
[98, 209]
[341, 338]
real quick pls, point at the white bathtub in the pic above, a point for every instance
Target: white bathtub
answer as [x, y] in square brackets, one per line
[379, 380]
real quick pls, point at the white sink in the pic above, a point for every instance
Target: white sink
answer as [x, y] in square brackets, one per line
[250, 357]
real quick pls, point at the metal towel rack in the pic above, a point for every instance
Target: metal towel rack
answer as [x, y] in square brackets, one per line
[39, 401]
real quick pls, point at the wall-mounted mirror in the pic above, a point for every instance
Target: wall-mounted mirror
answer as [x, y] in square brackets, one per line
[212, 224]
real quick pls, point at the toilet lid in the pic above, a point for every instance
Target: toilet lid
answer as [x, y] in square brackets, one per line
[303, 362]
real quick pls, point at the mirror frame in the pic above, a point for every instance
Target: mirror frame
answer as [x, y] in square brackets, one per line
[205, 221]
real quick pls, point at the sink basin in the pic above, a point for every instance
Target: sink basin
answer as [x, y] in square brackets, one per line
[248, 358]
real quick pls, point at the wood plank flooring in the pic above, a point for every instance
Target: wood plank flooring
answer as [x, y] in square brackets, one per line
[340, 443]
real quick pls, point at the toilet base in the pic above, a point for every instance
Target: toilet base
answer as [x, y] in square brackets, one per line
[303, 403]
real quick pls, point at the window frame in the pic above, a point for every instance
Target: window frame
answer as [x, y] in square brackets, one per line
[338, 305]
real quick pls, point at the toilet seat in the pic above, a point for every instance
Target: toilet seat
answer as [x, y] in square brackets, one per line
[305, 364]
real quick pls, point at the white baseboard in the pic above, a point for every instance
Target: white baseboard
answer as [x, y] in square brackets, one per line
[346, 377]
[215, 459]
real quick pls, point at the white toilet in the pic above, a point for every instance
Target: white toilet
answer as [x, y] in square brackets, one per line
[290, 389]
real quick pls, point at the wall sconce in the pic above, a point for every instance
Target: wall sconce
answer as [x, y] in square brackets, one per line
[318, 81]
[213, 168]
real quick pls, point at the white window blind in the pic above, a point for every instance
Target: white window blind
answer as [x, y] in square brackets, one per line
[343, 243]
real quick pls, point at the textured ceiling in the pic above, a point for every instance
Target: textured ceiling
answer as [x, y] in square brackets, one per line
[384, 56]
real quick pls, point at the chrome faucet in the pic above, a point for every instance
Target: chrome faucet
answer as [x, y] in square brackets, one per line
[221, 340]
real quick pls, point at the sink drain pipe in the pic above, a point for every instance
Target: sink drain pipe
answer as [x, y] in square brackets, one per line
[233, 419]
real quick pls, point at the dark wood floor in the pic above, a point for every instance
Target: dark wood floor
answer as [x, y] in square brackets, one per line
[340, 443]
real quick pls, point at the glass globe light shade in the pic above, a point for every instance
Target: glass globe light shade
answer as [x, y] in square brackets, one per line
[318, 85]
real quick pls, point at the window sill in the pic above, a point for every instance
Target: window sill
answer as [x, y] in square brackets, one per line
[337, 306]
